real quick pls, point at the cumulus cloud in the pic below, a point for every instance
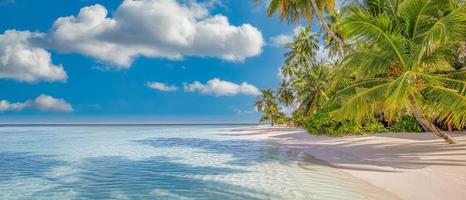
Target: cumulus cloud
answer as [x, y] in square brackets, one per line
[283, 39]
[43, 103]
[219, 87]
[151, 28]
[22, 60]
[154, 28]
[7, 106]
[161, 86]
[280, 40]
[48, 103]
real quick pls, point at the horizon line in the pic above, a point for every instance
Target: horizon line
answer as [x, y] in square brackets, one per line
[119, 124]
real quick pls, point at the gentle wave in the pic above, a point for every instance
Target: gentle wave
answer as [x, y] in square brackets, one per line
[170, 162]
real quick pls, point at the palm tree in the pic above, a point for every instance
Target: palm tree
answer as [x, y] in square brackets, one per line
[306, 80]
[290, 10]
[460, 57]
[285, 93]
[312, 86]
[319, 8]
[333, 46]
[295, 10]
[402, 55]
[267, 104]
[301, 52]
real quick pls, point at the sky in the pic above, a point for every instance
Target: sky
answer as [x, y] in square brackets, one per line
[137, 60]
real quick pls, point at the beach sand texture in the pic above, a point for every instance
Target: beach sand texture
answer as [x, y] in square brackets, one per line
[408, 165]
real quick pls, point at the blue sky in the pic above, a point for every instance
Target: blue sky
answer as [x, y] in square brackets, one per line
[86, 81]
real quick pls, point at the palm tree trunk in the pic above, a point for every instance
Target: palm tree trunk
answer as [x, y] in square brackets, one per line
[321, 20]
[450, 127]
[426, 124]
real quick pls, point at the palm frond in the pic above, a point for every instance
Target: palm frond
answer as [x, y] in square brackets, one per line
[362, 104]
[400, 89]
[367, 83]
[363, 26]
[447, 104]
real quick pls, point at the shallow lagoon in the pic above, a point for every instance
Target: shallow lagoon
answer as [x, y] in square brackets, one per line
[157, 162]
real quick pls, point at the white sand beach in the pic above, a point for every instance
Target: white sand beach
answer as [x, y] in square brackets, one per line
[407, 165]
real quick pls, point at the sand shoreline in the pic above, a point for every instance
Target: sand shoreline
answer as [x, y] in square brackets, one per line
[407, 165]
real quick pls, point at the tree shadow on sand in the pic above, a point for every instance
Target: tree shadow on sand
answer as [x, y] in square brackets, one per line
[358, 152]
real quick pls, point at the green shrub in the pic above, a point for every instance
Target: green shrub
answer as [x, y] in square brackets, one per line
[406, 124]
[374, 127]
[348, 128]
[322, 123]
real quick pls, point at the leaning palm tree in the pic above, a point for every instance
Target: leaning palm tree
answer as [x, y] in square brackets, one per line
[402, 55]
[267, 104]
[295, 10]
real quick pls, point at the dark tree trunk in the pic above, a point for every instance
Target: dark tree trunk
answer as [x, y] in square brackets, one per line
[324, 24]
[426, 124]
[450, 127]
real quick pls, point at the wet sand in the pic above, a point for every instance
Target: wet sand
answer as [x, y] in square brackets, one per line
[390, 165]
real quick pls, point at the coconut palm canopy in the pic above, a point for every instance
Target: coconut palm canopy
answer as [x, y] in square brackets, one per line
[294, 11]
[403, 57]
[267, 104]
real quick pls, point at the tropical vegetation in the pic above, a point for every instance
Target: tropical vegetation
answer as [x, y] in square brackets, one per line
[392, 65]
[267, 104]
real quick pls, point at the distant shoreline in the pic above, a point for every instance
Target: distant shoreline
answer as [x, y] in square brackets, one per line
[124, 124]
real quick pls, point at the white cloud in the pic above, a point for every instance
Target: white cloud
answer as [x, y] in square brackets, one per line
[162, 86]
[280, 75]
[243, 111]
[283, 39]
[48, 103]
[42, 103]
[322, 53]
[7, 106]
[154, 28]
[219, 87]
[21, 60]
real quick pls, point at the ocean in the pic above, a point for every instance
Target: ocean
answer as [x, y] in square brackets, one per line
[157, 162]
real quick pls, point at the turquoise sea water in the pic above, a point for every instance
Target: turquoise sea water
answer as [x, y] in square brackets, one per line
[156, 162]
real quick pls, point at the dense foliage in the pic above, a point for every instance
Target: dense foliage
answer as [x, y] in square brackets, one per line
[267, 104]
[323, 123]
[406, 124]
[393, 65]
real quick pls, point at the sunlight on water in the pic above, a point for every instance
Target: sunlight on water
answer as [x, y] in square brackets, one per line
[185, 162]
